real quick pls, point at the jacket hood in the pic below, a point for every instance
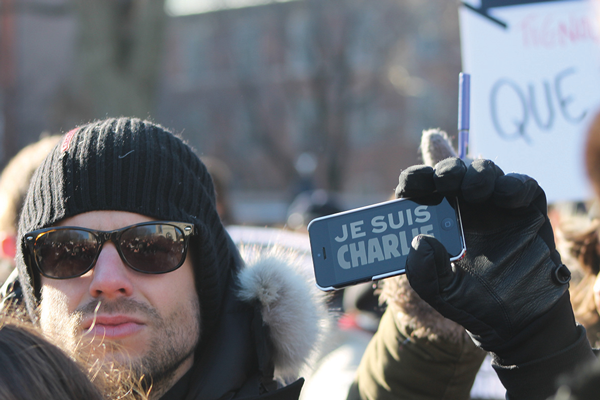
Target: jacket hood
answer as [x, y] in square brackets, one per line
[273, 321]
[291, 306]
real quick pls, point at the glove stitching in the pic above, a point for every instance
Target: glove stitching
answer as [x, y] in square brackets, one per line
[516, 226]
[492, 293]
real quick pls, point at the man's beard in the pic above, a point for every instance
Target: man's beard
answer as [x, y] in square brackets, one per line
[172, 341]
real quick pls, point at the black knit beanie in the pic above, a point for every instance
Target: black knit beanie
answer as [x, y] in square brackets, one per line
[130, 165]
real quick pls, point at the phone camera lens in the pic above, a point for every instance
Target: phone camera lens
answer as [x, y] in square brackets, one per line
[447, 224]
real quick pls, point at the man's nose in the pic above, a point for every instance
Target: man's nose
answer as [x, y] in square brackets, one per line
[111, 278]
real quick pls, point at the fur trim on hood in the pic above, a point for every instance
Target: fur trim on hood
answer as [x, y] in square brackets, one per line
[435, 146]
[412, 311]
[293, 308]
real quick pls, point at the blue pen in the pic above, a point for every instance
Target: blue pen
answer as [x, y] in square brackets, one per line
[464, 103]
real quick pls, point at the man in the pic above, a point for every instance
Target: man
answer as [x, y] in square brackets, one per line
[122, 248]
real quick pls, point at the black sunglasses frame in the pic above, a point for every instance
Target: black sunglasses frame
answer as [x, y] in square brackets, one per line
[30, 238]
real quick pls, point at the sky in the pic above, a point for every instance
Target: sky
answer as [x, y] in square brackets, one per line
[184, 7]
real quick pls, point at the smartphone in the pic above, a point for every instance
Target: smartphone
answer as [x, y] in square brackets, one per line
[372, 243]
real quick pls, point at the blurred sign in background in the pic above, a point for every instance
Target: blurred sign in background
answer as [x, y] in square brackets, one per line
[534, 87]
[329, 94]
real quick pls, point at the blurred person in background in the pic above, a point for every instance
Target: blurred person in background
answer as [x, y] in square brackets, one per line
[305, 165]
[308, 205]
[578, 236]
[584, 246]
[221, 176]
[194, 319]
[14, 182]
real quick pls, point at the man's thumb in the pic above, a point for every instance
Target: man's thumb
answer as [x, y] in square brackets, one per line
[428, 267]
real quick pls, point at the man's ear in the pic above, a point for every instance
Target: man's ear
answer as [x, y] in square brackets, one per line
[8, 245]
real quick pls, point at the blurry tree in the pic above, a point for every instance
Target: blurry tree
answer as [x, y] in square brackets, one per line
[337, 77]
[7, 79]
[348, 66]
[117, 60]
[14, 37]
[353, 82]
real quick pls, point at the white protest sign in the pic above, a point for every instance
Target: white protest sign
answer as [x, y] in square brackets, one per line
[535, 85]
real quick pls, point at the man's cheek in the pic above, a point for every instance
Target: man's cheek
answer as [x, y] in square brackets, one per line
[56, 320]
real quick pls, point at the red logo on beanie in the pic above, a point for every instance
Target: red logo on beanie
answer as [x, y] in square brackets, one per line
[67, 141]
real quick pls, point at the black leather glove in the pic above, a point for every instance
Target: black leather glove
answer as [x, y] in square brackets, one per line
[511, 282]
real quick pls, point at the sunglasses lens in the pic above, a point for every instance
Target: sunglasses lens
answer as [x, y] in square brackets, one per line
[154, 248]
[65, 253]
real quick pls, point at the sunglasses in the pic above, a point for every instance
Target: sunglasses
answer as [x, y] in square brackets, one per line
[64, 252]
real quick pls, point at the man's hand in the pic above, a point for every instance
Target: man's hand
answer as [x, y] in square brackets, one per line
[511, 275]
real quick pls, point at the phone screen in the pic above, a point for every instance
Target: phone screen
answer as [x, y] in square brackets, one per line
[372, 242]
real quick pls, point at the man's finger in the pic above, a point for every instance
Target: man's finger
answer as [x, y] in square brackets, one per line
[480, 180]
[448, 175]
[415, 181]
[428, 267]
[515, 191]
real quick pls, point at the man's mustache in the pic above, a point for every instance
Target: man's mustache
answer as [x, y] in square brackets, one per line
[119, 306]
